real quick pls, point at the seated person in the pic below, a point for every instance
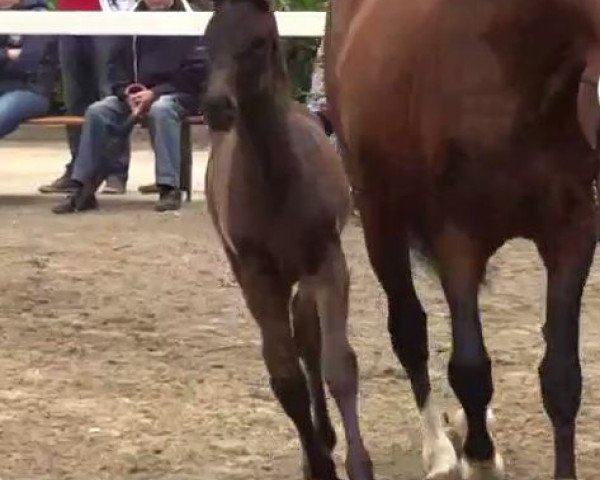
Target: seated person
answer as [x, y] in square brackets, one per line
[316, 99]
[164, 82]
[28, 67]
[87, 71]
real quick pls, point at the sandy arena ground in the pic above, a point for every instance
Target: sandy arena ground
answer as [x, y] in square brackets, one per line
[127, 352]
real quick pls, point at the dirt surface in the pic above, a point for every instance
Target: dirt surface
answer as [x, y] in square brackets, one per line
[127, 353]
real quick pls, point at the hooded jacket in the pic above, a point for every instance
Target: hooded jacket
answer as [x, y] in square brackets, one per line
[167, 65]
[37, 66]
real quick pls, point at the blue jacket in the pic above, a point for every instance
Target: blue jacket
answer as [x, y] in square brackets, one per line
[37, 66]
[166, 65]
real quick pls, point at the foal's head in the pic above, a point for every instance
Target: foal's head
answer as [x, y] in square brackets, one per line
[245, 56]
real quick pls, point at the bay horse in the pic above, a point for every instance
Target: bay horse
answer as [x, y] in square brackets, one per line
[279, 198]
[458, 124]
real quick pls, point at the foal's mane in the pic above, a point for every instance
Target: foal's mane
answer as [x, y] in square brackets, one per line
[264, 117]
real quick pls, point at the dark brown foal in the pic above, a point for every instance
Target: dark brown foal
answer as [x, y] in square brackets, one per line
[279, 199]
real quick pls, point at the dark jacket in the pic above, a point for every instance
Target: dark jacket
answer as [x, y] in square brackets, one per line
[167, 65]
[37, 66]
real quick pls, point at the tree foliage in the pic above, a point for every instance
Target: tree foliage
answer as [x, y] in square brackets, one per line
[300, 52]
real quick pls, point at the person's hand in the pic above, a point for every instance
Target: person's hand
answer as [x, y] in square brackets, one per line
[130, 104]
[13, 53]
[130, 90]
[142, 101]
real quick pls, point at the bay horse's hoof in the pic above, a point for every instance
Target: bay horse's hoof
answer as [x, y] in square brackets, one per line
[440, 460]
[453, 474]
[470, 469]
[490, 470]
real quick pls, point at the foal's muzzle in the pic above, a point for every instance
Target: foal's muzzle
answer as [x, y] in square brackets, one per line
[220, 112]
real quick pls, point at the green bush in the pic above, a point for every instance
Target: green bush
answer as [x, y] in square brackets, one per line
[308, 5]
[300, 52]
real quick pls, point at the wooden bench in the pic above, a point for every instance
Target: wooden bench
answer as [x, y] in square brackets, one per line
[186, 142]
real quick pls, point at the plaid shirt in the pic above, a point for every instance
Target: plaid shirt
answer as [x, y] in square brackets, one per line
[316, 97]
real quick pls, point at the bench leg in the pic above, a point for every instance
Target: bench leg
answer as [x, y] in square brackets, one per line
[186, 161]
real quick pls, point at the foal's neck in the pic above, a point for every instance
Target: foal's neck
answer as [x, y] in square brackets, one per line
[263, 129]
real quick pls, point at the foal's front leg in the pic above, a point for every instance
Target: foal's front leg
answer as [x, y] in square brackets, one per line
[268, 299]
[340, 368]
[307, 334]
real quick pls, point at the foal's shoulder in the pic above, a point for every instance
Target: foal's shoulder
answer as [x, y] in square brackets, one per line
[305, 127]
[300, 116]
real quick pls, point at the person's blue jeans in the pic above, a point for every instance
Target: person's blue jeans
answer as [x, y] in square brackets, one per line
[105, 117]
[85, 68]
[17, 106]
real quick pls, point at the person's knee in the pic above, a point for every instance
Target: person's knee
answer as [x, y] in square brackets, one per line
[96, 111]
[8, 124]
[163, 109]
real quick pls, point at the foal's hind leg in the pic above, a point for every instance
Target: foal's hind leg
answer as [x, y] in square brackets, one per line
[307, 334]
[407, 323]
[340, 367]
[268, 296]
[461, 268]
[567, 260]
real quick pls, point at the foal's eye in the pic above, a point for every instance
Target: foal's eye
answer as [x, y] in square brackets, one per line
[253, 49]
[257, 44]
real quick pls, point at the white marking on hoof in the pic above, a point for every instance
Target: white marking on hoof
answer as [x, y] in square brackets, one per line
[459, 423]
[471, 470]
[490, 470]
[439, 458]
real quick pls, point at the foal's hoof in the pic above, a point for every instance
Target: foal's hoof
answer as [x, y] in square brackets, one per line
[359, 467]
[440, 460]
[309, 476]
[326, 470]
[489, 470]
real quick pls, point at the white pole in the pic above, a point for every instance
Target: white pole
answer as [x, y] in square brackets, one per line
[290, 24]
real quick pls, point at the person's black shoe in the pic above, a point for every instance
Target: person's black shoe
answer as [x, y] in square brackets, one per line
[62, 184]
[81, 200]
[114, 185]
[148, 189]
[170, 199]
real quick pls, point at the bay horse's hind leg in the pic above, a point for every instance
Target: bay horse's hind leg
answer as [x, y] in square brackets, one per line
[407, 324]
[567, 261]
[340, 369]
[462, 265]
[307, 334]
[268, 299]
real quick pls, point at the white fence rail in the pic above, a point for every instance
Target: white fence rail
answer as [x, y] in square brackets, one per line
[290, 24]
